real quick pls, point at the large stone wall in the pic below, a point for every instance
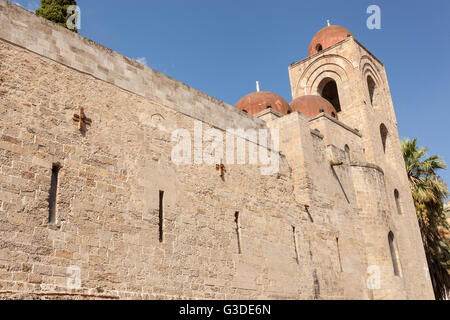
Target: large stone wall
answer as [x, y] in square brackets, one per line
[328, 192]
[107, 203]
[308, 232]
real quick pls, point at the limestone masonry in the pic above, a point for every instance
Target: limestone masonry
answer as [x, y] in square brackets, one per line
[105, 213]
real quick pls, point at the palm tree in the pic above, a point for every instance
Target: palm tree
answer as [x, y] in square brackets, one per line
[429, 195]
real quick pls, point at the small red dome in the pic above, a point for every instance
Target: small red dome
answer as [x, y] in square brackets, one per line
[311, 106]
[327, 37]
[256, 102]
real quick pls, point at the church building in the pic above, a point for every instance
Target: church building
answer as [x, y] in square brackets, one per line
[93, 205]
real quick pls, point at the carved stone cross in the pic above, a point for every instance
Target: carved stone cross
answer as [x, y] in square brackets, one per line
[221, 168]
[81, 119]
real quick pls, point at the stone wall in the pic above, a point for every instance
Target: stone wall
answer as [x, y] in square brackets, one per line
[107, 205]
[329, 195]
[43, 37]
[350, 64]
[303, 233]
[108, 201]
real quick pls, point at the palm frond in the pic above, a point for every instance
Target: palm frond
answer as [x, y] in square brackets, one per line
[429, 195]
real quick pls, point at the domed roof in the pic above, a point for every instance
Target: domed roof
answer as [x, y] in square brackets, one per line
[311, 106]
[256, 102]
[327, 37]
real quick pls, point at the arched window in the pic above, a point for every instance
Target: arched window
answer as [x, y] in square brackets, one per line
[347, 153]
[371, 86]
[397, 201]
[319, 48]
[394, 254]
[374, 93]
[384, 135]
[328, 89]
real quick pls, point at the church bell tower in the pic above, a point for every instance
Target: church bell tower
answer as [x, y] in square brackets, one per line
[342, 71]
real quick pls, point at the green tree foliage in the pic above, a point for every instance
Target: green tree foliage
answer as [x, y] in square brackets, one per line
[430, 194]
[56, 11]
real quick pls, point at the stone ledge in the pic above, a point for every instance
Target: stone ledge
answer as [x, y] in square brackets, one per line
[317, 133]
[367, 165]
[269, 111]
[343, 125]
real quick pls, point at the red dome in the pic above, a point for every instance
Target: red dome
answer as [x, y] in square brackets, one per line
[256, 102]
[311, 106]
[327, 37]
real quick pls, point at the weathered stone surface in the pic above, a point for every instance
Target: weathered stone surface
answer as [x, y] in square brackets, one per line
[309, 232]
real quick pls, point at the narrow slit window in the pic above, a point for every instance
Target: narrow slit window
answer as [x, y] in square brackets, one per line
[238, 231]
[53, 193]
[347, 153]
[384, 136]
[161, 216]
[397, 201]
[394, 255]
[339, 254]
[297, 258]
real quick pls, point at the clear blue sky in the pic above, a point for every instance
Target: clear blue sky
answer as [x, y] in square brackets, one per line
[223, 47]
